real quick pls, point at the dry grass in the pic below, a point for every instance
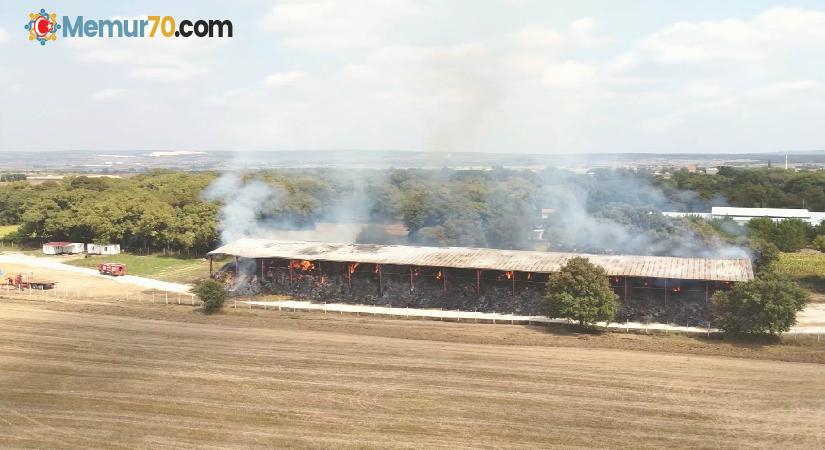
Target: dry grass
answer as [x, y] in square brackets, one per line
[806, 267]
[122, 375]
[102, 372]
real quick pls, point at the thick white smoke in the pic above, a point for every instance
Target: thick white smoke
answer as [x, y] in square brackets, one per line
[245, 205]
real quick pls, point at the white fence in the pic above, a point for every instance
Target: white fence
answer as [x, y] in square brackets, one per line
[96, 293]
[177, 298]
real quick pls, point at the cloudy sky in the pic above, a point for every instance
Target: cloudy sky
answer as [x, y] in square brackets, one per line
[475, 75]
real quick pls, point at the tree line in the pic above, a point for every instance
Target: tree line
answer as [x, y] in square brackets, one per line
[753, 188]
[604, 211]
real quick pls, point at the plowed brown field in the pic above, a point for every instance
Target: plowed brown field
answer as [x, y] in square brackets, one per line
[90, 375]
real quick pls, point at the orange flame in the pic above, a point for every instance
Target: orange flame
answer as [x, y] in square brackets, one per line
[439, 275]
[302, 265]
[352, 267]
[509, 275]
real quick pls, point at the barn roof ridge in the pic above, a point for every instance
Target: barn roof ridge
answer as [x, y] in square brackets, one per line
[728, 269]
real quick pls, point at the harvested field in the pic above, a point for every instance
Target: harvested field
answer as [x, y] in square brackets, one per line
[98, 374]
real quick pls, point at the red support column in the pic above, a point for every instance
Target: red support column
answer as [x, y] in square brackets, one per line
[349, 276]
[665, 292]
[412, 279]
[706, 292]
[380, 280]
[444, 278]
[625, 290]
[478, 281]
[514, 283]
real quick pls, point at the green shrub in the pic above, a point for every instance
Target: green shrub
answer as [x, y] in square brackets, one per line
[765, 254]
[580, 291]
[765, 305]
[819, 243]
[212, 294]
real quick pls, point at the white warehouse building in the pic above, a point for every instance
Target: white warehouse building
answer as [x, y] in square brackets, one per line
[743, 215]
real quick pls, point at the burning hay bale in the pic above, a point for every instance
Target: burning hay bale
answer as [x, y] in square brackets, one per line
[397, 286]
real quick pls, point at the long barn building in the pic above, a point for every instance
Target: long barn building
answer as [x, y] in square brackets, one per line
[654, 288]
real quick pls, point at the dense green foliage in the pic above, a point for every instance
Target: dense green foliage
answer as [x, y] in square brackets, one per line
[605, 211]
[9, 177]
[212, 294]
[580, 291]
[789, 235]
[766, 305]
[153, 211]
[764, 254]
[819, 243]
[755, 188]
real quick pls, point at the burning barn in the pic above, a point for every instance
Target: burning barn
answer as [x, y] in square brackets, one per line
[650, 288]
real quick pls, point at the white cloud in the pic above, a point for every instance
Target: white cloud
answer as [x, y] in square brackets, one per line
[162, 60]
[4, 35]
[538, 36]
[109, 94]
[568, 74]
[286, 79]
[584, 32]
[333, 25]
[785, 88]
[170, 74]
[396, 74]
[727, 40]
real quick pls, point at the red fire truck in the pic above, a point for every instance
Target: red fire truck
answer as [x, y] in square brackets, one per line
[113, 269]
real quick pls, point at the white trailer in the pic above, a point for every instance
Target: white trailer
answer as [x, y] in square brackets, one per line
[103, 249]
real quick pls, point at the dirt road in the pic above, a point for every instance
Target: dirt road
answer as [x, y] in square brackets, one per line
[84, 378]
[45, 264]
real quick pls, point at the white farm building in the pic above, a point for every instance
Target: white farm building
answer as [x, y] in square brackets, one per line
[60, 248]
[743, 215]
[103, 249]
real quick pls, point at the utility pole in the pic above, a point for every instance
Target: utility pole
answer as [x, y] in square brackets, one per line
[786, 161]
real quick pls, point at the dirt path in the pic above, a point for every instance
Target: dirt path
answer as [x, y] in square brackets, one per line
[83, 379]
[49, 264]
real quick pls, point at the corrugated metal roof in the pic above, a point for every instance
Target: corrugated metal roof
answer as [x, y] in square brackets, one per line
[491, 259]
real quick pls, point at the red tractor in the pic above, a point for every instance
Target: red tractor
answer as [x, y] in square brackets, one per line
[113, 269]
[26, 281]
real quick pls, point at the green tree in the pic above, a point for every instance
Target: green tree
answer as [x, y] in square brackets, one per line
[765, 305]
[762, 228]
[792, 235]
[580, 291]
[212, 294]
[765, 254]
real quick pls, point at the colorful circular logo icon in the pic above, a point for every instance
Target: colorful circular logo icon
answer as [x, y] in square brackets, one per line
[42, 26]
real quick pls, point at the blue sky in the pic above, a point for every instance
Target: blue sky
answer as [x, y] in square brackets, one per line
[492, 76]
